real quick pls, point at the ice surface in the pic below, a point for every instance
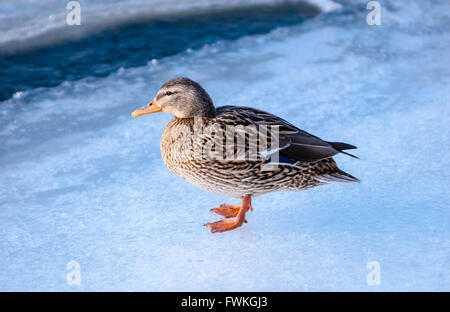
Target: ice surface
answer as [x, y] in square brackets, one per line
[81, 180]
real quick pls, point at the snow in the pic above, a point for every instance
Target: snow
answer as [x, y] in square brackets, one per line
[26, 24]
[80, 180]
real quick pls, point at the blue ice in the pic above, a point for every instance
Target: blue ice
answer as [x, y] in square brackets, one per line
[82, 181]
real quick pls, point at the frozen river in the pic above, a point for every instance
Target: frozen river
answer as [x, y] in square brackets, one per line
[82, 181]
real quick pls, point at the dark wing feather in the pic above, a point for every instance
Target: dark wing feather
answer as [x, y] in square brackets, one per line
[343, 146]
[294, 143]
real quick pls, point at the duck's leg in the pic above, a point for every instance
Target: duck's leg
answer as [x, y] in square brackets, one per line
[231, 211]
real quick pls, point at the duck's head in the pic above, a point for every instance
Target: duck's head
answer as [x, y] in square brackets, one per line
[182, 97]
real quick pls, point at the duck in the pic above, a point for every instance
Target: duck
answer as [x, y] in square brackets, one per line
[239, 152]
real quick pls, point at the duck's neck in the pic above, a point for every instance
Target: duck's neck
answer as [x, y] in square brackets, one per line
[210, 112]
[205, 109]
[206, 105]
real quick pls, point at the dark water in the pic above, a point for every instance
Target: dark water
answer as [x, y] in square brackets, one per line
[135, 44]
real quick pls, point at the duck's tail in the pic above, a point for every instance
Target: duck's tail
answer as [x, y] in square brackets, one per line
[338, 176]
[327, 171]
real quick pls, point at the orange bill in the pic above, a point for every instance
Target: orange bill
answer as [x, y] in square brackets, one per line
[150, 108]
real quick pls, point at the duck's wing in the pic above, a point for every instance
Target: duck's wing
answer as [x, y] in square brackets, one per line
[293, 143]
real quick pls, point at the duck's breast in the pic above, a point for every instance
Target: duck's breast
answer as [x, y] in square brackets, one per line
[176, 143]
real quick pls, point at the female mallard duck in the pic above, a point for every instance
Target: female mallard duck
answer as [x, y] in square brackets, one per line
[238, 151]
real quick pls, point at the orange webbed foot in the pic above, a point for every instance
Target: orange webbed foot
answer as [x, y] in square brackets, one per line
[230, 211]
[223, 225]
[227, 210]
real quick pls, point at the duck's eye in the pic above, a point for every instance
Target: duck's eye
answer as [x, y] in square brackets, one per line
[169, 93]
